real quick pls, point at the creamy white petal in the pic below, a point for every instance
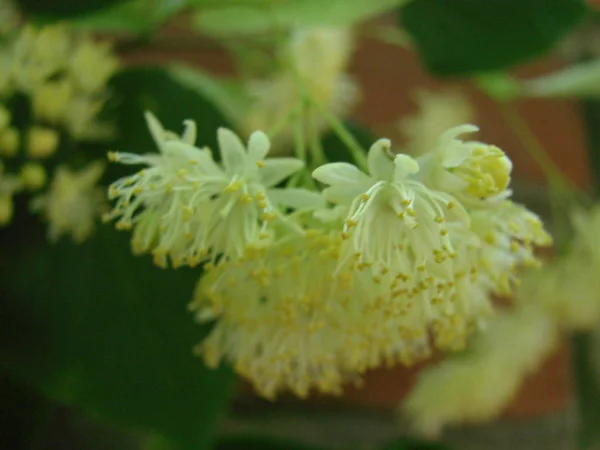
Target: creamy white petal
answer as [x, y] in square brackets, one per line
[233, 152]
[156, 129]
[190, 132]
[456, 153]
[258, 146]
[454, 132]
[341, 173]
[296, 198]
[276, 170]
[380, 161]
[342, 194]
[405, 166]
[450, 182]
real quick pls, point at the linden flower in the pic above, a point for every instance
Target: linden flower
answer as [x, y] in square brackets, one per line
[437, 112]
[273, 320]
[475, 386]
[395, 222]
[568, 287]
[42, 142]
[509, 232]
[185, 206]
[285, 323]
[91, 65]
[72, 203]
[81, 118]
[477, 174]
[38, 54]
[51, 100]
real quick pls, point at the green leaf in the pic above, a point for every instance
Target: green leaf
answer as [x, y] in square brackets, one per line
[93, 326]
[260, 16]
[131, 16]
[228, 96]
[149, 88]
[412, 444]
[58, 9]
[462, 37]
[260, 443]
[110, 333]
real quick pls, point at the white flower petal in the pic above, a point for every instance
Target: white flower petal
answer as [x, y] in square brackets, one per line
[156, 129]
[381, 166]
[455, 153]
[454, 132]
[405, 166]
[258, 146]
[448, 182]
[341, 173]
[190, 132]
[337, 213]
[233, 152]
[275, 170]
[342, 194]
[296, 198]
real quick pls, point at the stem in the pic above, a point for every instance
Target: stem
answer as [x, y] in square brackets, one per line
[358, 153]
[300, 147]
[562, 193]
[281, 124]
[533, 146]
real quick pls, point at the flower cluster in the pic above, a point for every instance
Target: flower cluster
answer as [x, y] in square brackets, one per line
[563, 295]
[307, 289]
[63, 75]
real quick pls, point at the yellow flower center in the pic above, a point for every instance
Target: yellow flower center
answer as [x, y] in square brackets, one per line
[487, 172]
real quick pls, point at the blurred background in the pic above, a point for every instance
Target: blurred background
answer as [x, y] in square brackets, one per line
[48, 403]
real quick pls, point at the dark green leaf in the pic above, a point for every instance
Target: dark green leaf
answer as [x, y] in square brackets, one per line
[462, 37]
[95, 327]
[412, 444]
[58, 9]
[131, 16]
[259, 16]
[24, 415]
[260, 443]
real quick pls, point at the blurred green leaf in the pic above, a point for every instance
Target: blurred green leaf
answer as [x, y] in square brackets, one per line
[462, 37]
[260, 443]
[93, 326]
[257, 16]
[228, 96]
[251, 442]
[131, 16]
[59, 9]
[413, 444]
[148, 88]
[24, 415]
